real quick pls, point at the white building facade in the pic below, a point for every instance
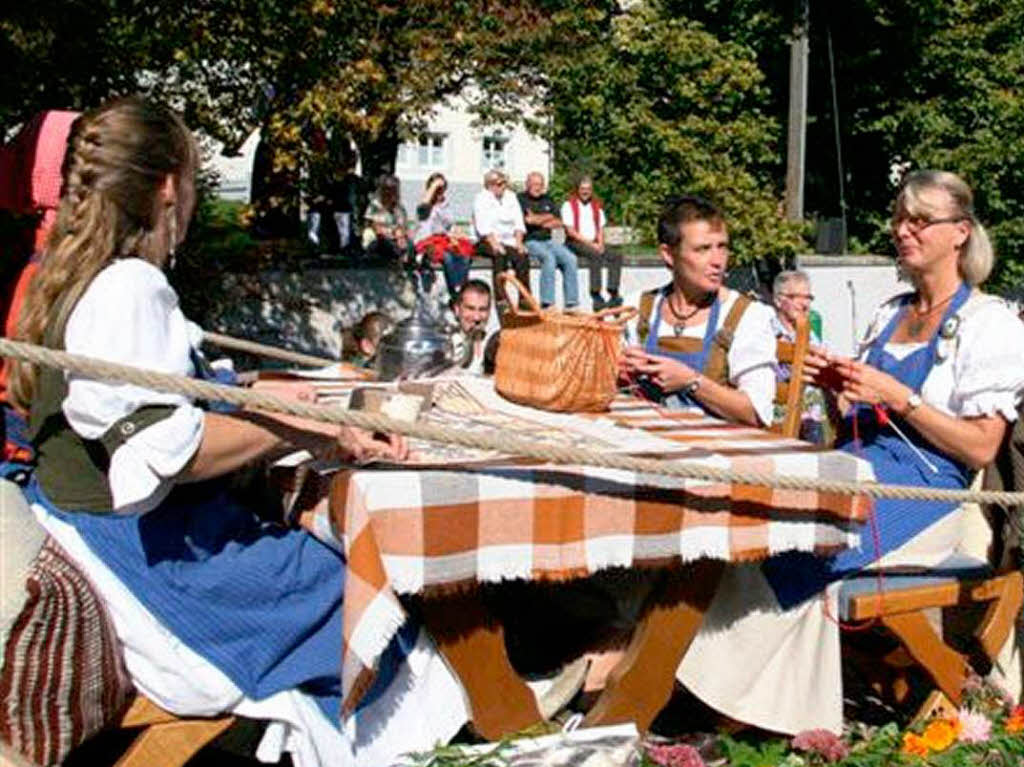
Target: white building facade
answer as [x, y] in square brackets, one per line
[452, 145]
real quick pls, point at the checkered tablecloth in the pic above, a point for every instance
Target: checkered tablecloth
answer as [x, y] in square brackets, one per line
[427, 530]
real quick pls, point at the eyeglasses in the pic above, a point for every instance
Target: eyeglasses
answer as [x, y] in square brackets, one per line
[794, 296]
[917, 224]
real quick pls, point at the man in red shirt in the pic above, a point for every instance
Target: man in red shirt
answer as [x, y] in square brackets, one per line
[585, 221]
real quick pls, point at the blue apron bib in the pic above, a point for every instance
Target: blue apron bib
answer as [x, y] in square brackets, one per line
[794, 577]
[697, 361]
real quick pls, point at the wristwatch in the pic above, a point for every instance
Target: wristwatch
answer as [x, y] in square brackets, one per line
[914, 401]
[691, 388]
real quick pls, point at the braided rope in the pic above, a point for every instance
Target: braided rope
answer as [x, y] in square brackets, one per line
[262, 350]
[177, 384]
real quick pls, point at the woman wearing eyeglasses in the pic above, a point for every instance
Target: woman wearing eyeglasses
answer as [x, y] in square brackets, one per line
[944, 363]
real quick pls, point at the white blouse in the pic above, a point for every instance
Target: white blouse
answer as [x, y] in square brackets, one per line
[502, 218]
[979, 371]
[129, 314]
[751, 356]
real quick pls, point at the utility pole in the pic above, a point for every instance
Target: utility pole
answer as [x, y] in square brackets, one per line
[799, 50]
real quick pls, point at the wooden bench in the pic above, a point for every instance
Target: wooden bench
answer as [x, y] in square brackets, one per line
[899, 603]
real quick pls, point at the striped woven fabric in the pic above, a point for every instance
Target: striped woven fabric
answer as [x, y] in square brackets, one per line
[63, 677]
[406, 532]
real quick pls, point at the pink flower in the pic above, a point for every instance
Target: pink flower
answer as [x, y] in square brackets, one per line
[974, 726]
[678, 755]
[822, 742]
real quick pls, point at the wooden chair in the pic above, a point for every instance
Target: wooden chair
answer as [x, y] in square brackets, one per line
[899, 603]
[790, 394]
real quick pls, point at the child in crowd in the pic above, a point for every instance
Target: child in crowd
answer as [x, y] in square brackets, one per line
[359, 343]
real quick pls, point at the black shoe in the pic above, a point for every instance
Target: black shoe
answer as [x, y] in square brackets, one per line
[598, 301]
[614, 300]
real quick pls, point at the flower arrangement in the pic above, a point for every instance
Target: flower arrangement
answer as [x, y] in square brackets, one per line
[987, 729]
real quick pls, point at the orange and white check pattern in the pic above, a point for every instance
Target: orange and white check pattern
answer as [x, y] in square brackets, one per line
[424, 531]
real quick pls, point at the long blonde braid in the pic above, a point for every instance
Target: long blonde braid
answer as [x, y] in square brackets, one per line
[117, 158]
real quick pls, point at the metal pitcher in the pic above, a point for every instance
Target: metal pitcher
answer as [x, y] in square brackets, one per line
[417, 347]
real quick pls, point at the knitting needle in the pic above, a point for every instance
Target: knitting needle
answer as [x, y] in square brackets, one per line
[883, 418]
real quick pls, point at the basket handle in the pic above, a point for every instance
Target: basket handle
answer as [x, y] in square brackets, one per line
[524, 294]
[619, 315]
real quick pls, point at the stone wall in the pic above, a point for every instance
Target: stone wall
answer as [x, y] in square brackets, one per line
[307, 310]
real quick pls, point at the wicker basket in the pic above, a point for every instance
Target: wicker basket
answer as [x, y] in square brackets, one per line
[555, 361]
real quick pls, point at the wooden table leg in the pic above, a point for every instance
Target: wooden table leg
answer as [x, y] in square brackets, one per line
[473, 643]
[641, 684]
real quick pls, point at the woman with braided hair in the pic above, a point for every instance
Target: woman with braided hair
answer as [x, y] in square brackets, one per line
[216, 611]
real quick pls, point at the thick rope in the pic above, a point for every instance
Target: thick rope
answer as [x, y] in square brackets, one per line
[262, 350]
[189, 387]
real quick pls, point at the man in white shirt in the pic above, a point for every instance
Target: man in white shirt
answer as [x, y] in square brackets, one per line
[584, 222]
[499, 225]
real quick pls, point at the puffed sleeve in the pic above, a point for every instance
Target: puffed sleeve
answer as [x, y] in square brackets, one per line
[883, 314]
[129, 314]
[988, 368]
[752, 359]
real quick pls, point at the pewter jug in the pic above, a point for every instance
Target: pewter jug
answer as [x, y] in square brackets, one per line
[417, 347]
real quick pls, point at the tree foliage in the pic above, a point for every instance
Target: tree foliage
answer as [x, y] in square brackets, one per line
[919, 83]
[662, 108]
[958, 104]
[655, 97]
[370, 70]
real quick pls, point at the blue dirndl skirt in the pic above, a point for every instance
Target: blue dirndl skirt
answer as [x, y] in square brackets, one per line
[259, 601]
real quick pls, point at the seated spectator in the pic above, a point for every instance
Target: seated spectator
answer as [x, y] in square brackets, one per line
[539, 213]
[386, 236]
[499, 225]
[585, 222]
[791, 295]
[437, 243]
[472, 308]
[359, 344]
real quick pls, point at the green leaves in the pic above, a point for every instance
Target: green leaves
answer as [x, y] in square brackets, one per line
[661, 107]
